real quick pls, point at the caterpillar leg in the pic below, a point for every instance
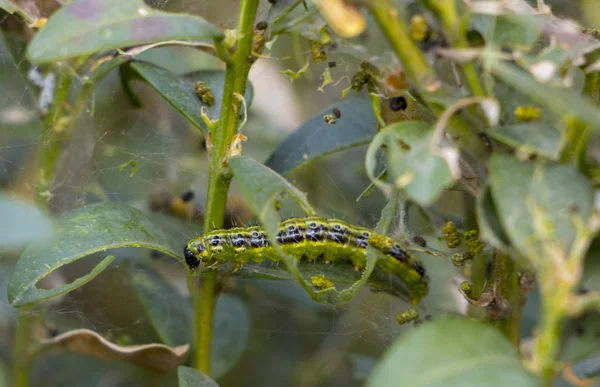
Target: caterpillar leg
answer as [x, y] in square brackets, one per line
[238, 266]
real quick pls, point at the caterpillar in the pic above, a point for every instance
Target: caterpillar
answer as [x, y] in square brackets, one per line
[311, 238]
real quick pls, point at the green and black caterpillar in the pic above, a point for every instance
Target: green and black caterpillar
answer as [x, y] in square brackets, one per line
[311, 238]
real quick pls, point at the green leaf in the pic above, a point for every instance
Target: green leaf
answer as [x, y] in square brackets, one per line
[189, 377]
[22, 223]
[552, 194]
[230, 340]
[87, 230]
[452, 351]
[540, 138]
[316, 139]
[489, 222]
[413, 167]
[12, 8]
[171, 315]
[85, 27]
[562, 101]
[179, 91]
[508, 30]
[338, 274]
[167, 311]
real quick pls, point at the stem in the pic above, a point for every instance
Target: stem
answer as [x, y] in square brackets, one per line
[52, 138]
[22, 347]
[548, 341]
[505, 276]
[396, 32]
[421, 74]
[446, 10]
[204, 306]
[236, 79]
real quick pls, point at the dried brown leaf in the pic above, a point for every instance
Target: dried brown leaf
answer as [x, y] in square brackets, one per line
[158, 357]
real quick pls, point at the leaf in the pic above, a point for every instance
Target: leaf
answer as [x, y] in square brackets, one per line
[85, 27]
[540, 138]
[22, 223]
[293, 75]
[179, 91]
[587, 368]
[189, 377]
[562, 101]
[451, 351]
[168, 312]
[262, 187]
[89, 229]
[489, 222]
[230, 340]
[413, 167]
[158, 357]
[12, 8]
[508, 30]
[171, 315]
[338, 274]
[524, 191]
[316, 139]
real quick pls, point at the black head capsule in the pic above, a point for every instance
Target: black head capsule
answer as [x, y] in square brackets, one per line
[190, 259]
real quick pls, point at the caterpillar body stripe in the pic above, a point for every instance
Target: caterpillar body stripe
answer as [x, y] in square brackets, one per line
[311, 238]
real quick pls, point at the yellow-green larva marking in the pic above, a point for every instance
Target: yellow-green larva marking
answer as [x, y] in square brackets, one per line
[310, 238]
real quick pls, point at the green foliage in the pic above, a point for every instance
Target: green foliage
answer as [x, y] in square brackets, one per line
[84, 27]
[494, 144]
[452, 351]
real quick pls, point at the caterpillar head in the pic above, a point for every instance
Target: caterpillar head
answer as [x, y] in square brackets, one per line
[194, 252]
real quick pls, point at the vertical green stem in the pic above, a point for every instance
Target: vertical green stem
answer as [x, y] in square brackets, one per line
[396, 32]
[52, 137]
[22, 347]
[446, 10]
[236, 78]
[505, 276]
[547, 343]
[205, 299]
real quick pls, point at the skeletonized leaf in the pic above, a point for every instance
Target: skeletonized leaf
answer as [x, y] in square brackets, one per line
[87, 230]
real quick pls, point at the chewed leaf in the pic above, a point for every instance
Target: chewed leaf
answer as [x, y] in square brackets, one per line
[180, 93]
[412, 165]
[527, 195]
[452, 351]
[189, 377]
[89, 26]
[488, 221]
[157, 357]
[356, 126]
[26, 224]
[508, 30]
[540, 138]
[90, 229]
[562, 101]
